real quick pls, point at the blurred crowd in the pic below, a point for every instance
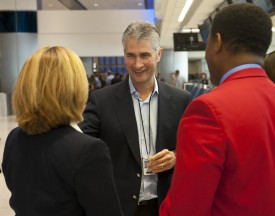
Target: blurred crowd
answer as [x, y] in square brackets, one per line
[102, 79]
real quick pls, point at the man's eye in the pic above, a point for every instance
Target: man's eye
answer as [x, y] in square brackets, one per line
[145, 56]
[130, 56]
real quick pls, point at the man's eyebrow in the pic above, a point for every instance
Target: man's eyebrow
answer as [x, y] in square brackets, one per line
[142, 53]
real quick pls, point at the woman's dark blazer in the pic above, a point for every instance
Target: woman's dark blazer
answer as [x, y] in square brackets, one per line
[60, 173]
[110, 116]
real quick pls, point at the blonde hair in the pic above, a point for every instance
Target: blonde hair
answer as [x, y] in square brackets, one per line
[51, 90]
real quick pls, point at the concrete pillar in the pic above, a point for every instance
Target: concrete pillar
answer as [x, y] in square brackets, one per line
[181, 64]
[18, 40]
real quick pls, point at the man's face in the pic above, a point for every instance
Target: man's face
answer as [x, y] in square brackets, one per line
[141, 60]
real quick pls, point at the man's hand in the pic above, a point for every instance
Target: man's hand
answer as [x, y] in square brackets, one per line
[162, 161]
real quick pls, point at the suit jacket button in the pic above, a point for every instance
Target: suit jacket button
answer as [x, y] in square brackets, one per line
[138, 175]
[134, 197]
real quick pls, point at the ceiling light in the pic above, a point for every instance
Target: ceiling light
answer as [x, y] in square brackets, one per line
[190, 30]
[95, 5]
[185, 10]
[139, 4]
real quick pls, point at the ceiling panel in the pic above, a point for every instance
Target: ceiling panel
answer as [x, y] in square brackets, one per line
[113, 4]
[166, 12]
[51, 5]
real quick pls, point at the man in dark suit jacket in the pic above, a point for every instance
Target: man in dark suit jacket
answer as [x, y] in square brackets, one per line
[136, 118]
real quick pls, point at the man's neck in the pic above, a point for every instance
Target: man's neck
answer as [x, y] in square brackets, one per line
[146, 89]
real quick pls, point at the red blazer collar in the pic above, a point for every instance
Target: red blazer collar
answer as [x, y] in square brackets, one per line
[248, 72]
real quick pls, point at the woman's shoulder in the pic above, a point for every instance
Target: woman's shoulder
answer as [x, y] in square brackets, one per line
[85, 139]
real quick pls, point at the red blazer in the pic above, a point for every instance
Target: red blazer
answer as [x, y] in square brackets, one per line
[226, 151]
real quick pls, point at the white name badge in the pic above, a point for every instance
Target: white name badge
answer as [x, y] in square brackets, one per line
[146, 171]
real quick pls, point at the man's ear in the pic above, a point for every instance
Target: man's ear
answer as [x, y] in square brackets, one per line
[159, 53]
[218, 42]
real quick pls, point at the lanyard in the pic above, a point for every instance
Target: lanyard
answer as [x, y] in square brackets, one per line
[148, 147]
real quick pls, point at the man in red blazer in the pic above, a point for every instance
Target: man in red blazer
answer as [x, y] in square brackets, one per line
[225, 163]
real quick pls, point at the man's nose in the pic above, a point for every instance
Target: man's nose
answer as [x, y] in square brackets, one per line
[138, 62]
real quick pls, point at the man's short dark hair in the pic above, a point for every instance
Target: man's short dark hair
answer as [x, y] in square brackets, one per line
[244, 28]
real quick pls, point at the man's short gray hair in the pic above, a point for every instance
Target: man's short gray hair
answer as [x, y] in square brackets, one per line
[142, 30]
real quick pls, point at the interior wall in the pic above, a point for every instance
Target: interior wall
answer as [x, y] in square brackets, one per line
[88, 33]
[166, 65]
[18, 4]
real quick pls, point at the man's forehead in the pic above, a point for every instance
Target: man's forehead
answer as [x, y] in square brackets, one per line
[138, 52]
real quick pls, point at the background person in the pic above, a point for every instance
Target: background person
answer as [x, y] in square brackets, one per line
[269, 65]
[50, 166]
[225, 152]
[116, 79]
[138, 119]
[178, 80]
[203, 78]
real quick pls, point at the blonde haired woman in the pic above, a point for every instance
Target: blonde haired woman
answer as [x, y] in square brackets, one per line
[50, 166]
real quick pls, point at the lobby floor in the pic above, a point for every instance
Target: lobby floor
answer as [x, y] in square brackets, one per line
[7, 123]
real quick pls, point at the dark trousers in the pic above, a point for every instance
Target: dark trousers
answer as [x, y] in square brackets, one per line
[151, 209]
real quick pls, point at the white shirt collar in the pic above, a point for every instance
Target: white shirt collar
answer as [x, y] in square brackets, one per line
[75, 126]
[133, 90]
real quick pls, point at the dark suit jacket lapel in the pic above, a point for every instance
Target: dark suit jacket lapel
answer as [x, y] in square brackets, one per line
[126, 115]
[166, 109]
